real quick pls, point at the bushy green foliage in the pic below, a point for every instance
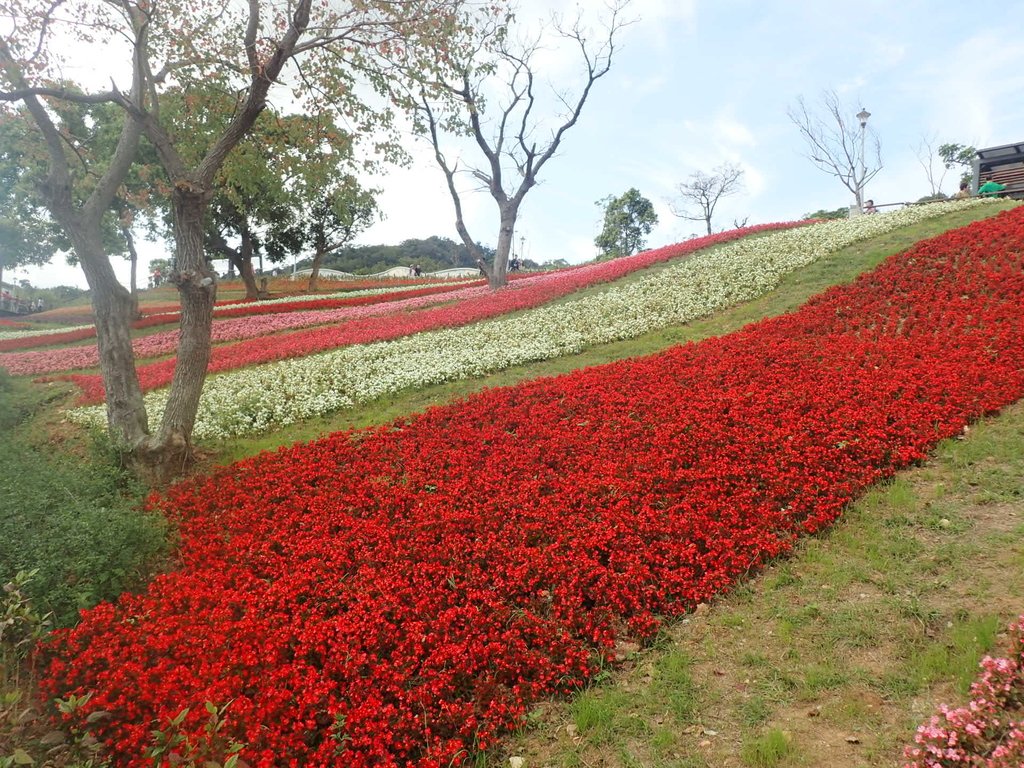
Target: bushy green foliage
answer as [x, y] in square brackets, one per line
[431, 254]
[76, 523]
[839, 213]
[628, 219]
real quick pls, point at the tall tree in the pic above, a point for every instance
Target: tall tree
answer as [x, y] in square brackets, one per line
[494, 98]
[268, 184]
[839, 142]
[243, 49]
[700, 193]
[628, 219]
[344, 210]
[90, 132]
[955, 155]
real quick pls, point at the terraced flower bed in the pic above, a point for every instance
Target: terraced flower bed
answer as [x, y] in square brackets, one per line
[521, 294]
[399, 596]
[249, 400]
[228, 309]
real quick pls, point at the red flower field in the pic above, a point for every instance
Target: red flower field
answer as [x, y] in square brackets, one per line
[399, 596]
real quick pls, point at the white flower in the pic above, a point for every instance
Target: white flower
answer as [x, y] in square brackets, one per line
[269, 396]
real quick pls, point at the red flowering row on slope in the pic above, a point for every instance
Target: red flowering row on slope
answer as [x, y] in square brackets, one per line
[38, 361]
[47, 339]
[245, 309]
[529, 293]
[398, 596]
[236, 310]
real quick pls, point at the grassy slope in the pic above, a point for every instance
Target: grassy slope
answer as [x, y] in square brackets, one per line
[723, 672]
[833, 656]
[837, 268]
[65, 511]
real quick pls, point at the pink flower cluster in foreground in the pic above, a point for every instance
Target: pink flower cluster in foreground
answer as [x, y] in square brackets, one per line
[989, 731]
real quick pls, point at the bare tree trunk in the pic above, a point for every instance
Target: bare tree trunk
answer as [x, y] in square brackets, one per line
[170, 449]
[133, 255]
[113, 310]
[314, 275]
[238, 258]
[248, 275]
[498, 276]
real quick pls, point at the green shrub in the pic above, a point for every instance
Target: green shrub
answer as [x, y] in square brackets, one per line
[75, 522]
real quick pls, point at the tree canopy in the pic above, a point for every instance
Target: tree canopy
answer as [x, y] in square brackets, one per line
[27, 231]
[956, 155]
[628, 219]
[303, 52]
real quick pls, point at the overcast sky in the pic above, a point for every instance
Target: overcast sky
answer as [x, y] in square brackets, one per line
[700, 82]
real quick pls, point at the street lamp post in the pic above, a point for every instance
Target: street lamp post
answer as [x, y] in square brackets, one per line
[863, 116]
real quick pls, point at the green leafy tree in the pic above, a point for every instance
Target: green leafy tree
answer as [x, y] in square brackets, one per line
[959, 155]
[344, 210]
[289, 177]
[27, 232]
[251, 50]
[628, 219]
[158, 271]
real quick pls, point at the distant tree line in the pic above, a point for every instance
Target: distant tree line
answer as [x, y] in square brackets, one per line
[431, 254]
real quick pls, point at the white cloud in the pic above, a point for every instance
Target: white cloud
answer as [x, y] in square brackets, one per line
[979, 94]
[730, 132]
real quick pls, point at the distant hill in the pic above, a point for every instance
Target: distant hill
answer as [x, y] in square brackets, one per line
[431, 254]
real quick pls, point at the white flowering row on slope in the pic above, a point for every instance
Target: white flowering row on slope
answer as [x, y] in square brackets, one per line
[264, 397]
[29, 332]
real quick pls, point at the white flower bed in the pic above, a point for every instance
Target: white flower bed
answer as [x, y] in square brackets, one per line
[267, 396]
[27, 332]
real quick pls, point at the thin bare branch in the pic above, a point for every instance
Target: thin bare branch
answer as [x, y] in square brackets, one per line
[835, 145]
[704, 191]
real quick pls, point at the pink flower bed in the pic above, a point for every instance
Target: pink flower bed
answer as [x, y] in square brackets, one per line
[989, 731]
[519, 295]
[233, 308]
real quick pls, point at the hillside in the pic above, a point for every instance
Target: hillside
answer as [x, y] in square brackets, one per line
[574, 628]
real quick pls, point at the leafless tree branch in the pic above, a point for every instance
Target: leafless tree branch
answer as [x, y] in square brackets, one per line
[703, 191]
[837, 144]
